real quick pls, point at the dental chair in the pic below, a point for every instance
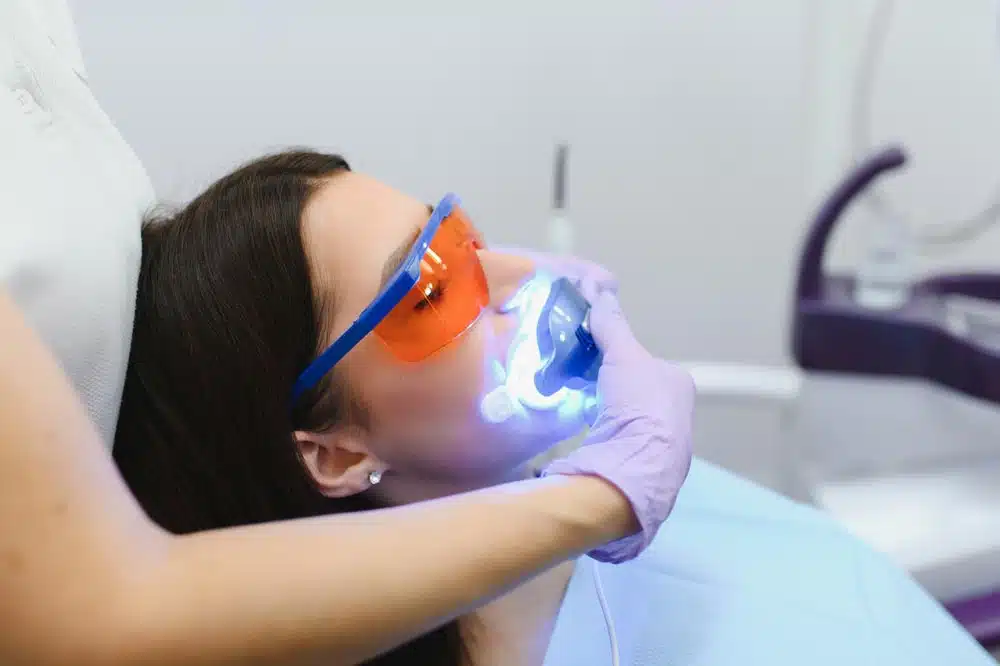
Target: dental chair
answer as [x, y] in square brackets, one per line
[891, 421]
[897, 430]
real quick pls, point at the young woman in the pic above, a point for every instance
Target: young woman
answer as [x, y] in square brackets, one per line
[282, 366]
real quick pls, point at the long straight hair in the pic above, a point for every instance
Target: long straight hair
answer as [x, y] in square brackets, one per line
[226, 319]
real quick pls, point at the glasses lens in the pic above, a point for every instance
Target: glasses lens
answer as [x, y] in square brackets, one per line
[448, 298]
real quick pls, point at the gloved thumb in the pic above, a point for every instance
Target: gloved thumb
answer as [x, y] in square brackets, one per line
[610, 329]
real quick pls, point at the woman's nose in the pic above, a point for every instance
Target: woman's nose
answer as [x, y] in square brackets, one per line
[505, 273]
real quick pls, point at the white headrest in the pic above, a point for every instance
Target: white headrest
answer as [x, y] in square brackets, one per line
[72, 197]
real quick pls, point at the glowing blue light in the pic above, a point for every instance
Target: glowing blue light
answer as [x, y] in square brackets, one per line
[499, 374]
[517, 389]
[572, 405]
[497, 406]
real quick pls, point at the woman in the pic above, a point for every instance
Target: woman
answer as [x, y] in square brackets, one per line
[261, 387]
[280, 258]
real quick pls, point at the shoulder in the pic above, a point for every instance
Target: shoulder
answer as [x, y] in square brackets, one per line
[71, 207]
[736, 544]
[717, 504]
[56, 20]
[727, 533]
[740, 564]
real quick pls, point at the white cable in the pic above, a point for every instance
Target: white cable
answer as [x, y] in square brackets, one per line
[929, 236]
[606, 610]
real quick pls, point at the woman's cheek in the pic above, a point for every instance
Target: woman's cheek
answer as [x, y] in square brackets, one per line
[428, 413]
[444, 388]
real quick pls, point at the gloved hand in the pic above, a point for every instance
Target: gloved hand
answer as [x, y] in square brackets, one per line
[641, 440]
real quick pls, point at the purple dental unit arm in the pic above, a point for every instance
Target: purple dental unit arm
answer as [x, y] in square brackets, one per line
[832, 333]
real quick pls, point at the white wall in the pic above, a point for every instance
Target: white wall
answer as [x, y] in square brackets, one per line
[702, 131]
[938, 93]
[683, 117]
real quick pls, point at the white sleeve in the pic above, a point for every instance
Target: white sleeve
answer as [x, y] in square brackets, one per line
[56, 19]
[72, 196]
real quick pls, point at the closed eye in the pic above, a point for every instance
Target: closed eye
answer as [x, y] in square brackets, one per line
[432, 294]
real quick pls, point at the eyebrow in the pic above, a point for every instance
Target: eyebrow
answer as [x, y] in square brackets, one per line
[398, 256]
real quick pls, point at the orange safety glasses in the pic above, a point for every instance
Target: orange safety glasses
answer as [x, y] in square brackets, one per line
[434, 296]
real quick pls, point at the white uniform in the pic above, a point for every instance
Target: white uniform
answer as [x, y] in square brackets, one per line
[72, 196]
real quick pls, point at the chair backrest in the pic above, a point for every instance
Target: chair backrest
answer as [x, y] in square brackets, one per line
[72, 196]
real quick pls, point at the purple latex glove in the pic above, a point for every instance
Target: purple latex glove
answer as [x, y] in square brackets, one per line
[641, 440]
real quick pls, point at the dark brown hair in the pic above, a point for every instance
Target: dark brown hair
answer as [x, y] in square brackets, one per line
[226, 319]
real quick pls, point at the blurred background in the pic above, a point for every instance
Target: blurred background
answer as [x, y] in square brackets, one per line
[702, 134]
[702, 137]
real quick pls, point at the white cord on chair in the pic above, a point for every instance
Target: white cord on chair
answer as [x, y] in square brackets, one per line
[732, 381]
[606, 610]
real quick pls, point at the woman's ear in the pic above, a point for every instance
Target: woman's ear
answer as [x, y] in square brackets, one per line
[339, 461]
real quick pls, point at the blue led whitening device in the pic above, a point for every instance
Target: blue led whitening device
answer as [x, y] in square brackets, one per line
[569, 355]
[552, 363]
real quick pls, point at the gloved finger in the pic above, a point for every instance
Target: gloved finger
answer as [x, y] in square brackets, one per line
[599, 285]
[579, 269]
[611, 330]
[589, 289]
[680, 384]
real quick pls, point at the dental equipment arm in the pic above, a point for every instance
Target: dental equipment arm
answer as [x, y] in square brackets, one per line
[560, 230]
[87, 579]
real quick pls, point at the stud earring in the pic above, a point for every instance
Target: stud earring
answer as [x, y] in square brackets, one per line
[374, 477]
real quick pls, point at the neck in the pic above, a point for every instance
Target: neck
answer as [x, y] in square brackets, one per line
[397, 490]
[515, 628]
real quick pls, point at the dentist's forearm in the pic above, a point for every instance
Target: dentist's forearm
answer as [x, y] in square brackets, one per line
[348, 588]
[86, 578]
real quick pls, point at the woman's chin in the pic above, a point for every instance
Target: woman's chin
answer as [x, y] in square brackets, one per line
[542, 431]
